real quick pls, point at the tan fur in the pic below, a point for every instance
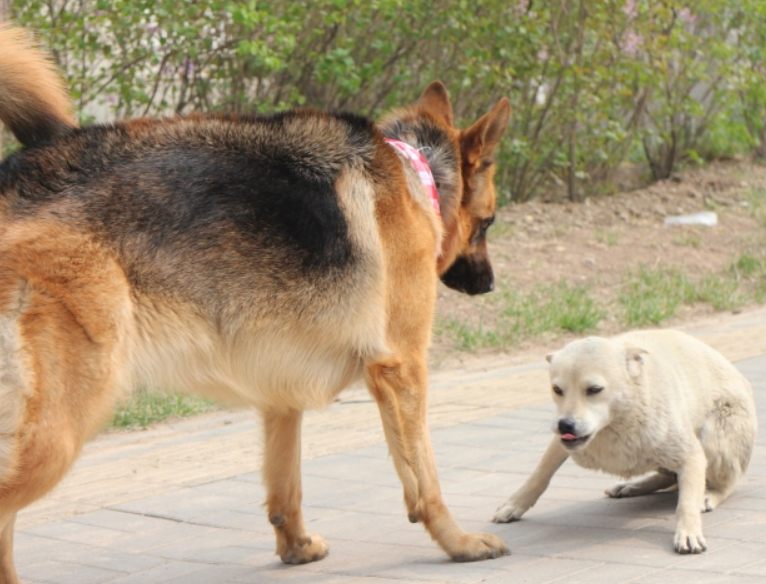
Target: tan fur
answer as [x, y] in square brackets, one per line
[86, 313]
[32, 88]
[649, 401]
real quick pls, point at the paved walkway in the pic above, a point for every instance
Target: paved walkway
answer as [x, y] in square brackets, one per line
[182, 503]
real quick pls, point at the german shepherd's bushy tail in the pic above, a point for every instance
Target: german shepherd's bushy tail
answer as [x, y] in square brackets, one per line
[34, 102]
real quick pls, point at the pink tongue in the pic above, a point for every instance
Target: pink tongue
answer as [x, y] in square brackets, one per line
[569, 437]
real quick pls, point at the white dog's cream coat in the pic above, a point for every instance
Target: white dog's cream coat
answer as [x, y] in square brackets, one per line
[657, 401]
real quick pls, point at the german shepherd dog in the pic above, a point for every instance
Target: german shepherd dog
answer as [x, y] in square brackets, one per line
[266, 260]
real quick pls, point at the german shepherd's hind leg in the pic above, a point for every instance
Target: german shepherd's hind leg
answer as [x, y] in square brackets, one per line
[64, 317]
[400, 391]
[7, 566]
[282, 475]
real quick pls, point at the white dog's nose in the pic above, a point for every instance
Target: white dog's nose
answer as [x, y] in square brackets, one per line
[566, 426]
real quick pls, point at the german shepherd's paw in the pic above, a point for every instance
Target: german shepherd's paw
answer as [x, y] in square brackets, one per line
[689, 543]
[307, 549]
[478, 546]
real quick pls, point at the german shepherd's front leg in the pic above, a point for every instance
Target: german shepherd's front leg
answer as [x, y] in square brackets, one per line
[282, 475]
[400, 391]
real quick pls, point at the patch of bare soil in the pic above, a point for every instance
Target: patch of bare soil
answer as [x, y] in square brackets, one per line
[596, 242]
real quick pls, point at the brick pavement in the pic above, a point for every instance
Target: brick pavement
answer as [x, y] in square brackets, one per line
[181, 503]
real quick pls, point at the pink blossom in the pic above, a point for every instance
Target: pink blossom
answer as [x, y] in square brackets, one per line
[686, 16]
[542, 54]
[521, 7]
[630, 9]
[631, 43]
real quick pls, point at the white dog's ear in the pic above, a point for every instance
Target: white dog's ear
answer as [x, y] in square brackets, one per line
[549, 357]
[634, 360]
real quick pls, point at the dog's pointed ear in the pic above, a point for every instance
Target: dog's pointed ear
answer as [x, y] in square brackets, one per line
[435, 100]
[635, 360]
[480, 140]
[549, 357]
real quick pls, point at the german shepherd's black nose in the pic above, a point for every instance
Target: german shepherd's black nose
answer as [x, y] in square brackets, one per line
[470, 275]
[566, 426]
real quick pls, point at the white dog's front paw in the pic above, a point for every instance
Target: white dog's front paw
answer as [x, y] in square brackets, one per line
[689, 543]
[508, 512]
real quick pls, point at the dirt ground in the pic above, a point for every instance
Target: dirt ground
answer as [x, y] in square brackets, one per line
[595, 242]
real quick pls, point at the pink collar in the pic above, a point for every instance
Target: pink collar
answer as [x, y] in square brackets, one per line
[420, 164]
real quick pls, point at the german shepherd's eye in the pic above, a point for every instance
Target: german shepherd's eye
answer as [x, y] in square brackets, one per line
[557, 390]
[594, 389]
[486, 223]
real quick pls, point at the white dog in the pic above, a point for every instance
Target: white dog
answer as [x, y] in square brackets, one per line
[657, 401]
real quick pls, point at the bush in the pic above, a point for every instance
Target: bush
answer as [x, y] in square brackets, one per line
[588, 80]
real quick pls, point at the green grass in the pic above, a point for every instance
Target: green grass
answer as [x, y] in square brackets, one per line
[550, 308]
[757, 203]
[647, 297]
[559, 307]
[651, 296]
[749, 265]
[468, 337]
[688, 240]
[146, 407]
[752, 269]
[606, 237]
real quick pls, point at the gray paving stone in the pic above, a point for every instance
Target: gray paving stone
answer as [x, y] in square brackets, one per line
[146, 542]
[204, 548]
[726, 558]
[540, 570]
[281, 573]
[217, 574]
[397, 562]
[161, 574]
[598, 574]
[250, 520]
[217, 531]
[368, 497]
[66, 573]
[124, 521]
[755, 569]
[73, 531]
[30, 549]
[358, 526]
[697, 577]
[116, 560]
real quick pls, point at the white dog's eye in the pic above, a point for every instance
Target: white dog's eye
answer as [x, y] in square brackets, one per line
[594, 389]
[557, 390]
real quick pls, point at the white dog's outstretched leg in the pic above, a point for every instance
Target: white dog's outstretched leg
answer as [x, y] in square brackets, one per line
[713, 497]
[691, 493]
[657, 481]
[535, 485]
